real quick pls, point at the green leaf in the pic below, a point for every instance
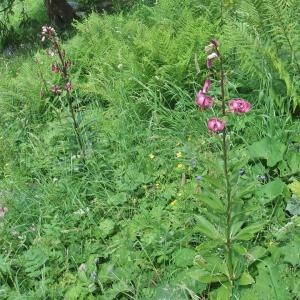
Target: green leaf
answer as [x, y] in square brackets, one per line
[246, 279]
[184, 257]
[291, 252]
[168, 292]
[191, 283]
[293, 160]
[117, 199]
[236, 227]
[248, 232]
[208, 229]
[207, 277]
[256, 253]
[269, 149]
[269, 284]
[212, 264]
[106, 227]
[293, 206]
[272, 189]
[213, 203]
[224, 292]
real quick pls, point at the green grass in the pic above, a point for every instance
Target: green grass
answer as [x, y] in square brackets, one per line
[125, 226]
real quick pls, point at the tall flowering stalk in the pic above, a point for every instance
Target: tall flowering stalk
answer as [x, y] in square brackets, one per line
[218, 125]
[62, 67]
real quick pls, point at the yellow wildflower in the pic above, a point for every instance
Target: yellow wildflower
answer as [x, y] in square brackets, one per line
[179, 154]
[180, 166]
[151, 156]
[173, 203]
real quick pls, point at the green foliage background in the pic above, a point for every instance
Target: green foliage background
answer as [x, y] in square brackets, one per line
[126, 228]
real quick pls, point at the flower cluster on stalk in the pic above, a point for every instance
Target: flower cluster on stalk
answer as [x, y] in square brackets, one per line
[205, 101]
[61, 66]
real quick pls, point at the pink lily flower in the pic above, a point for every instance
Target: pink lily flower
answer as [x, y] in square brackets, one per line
[204, 101]
[215, 124]
[239, 106]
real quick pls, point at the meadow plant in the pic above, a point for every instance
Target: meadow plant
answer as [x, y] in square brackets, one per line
[227, 207]
[64, 88]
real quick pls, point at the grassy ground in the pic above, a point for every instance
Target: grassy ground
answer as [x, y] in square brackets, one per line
[124, 225]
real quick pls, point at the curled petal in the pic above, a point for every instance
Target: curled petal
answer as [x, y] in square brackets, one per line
[212, 55]
[206, 86]
[56, 90]
[216, 125]
[68, 86]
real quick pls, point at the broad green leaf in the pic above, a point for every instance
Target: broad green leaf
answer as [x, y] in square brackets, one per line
[213, 203]
[272, 189]
[208, 229]
[244, 191]
[246, 279]
[208, 245]
[236, 227]
[293, 206]
[291, 252]
[269, 284]
[269, 149]
[213, 264]
[106, 227]
[168, 292]
[74, 292]
[255, 253]
[224, 292]
[207, 277]
[184, 257]
[248, 232]
[117, 199]
[293, 160]
[191, 283]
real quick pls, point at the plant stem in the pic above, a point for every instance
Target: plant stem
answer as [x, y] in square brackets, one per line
[76, 125]
[228, 186]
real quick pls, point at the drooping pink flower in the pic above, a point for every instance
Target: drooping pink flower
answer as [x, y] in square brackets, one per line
[239, 106]
[56, 90]
[215, 124]
[68, 64]
[204, 101]
[214, 43]
[210, 59]
[55, 68]
[68, 86]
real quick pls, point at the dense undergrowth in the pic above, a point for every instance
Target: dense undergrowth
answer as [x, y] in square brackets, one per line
[125, 224]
